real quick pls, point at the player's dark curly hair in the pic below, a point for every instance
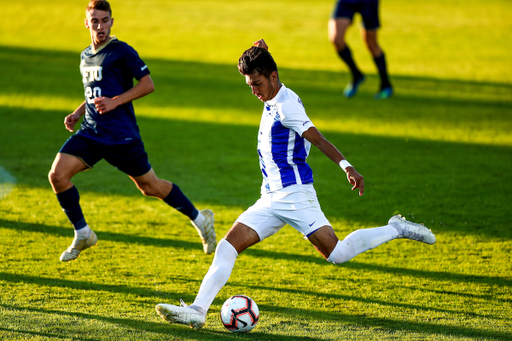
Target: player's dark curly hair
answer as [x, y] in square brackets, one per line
[101, 5]
[256, 60]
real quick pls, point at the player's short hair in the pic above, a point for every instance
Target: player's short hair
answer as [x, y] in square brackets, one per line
[257, 60]
[101, 5]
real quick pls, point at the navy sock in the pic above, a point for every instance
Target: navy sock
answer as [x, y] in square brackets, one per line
[346, 56]
[381, 66]
[69, 200]
[179, 201]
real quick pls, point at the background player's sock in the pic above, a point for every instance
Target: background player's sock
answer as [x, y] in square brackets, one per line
[380, 62]
[179, 201]
[69, 200]
[346, 56]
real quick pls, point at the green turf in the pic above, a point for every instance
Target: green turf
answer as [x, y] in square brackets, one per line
[439, 152]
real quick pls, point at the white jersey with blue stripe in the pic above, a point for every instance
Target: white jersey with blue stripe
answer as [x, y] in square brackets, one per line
[281, 148]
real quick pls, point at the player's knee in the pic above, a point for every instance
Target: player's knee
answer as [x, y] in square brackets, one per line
[340, 254]
[55, 177]
[337, 40]
[147, 190]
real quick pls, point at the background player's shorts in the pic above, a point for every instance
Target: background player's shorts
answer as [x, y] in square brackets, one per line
[295, 205]
[130, 158]
[369, 10]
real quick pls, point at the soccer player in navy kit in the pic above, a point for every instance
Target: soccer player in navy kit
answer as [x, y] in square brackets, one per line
[109, 131]
[287, 194]
[338, 25]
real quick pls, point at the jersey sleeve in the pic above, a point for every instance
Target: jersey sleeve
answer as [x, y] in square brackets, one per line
[132, 62]
[293, 116]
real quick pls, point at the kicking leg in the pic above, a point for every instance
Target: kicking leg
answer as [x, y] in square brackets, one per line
[359, 241]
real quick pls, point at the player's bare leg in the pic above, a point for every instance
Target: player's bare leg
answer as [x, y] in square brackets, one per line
[63, 169]
[337, 30]
[370, 38]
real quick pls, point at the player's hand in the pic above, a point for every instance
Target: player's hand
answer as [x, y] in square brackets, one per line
[261, 43]
[355, 179]
[70, 121]
[105, 104]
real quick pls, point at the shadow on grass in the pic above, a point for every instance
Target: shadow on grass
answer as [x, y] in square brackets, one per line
[294, 317]
[154, 327]
[261, 254]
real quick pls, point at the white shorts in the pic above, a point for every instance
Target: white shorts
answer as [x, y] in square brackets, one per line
[295, 205]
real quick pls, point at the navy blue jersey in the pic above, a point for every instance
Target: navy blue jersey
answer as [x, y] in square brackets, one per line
[109, 72]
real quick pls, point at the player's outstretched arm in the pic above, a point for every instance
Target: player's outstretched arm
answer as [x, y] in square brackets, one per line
[326, 147]
[72, 119]
[144, 87]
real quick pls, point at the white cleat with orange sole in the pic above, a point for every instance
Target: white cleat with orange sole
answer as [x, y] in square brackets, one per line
[73, 251]
[207, 232]
[413, 231]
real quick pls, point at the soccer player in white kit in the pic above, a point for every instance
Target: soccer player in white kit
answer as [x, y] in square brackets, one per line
[287, 194]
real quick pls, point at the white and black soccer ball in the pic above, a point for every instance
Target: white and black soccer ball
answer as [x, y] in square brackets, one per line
[239, 314]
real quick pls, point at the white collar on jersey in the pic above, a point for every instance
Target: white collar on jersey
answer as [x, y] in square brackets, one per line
[274, 100]
[104, 45]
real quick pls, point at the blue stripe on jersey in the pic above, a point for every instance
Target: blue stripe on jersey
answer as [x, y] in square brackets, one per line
[299, 158]
[280, 137]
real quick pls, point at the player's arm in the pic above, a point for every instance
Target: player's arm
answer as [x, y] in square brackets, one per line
[72, 119]
[326, 147]
[144, 87]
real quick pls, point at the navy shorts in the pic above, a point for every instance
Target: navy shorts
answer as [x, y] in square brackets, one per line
[369, 10]
[130, 158]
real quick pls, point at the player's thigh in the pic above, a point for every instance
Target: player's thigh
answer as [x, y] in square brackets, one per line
[337, 29]
[86, 150]
[260, 219]
[66, 165]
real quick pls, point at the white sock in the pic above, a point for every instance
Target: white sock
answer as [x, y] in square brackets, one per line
[216, 277]
[83, 233]
[360, 241]
[199, 221]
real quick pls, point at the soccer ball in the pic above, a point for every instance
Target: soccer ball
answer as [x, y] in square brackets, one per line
[239, 314]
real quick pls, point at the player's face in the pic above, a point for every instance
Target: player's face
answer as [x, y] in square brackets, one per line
[99, 24]
[262, 87]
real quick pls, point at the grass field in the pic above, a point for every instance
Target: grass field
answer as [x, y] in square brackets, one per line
[439, 152]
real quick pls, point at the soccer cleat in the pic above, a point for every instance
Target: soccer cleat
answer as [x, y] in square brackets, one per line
[413, 231]
[207, 232]
[181, 315]
[352, 87]
[384, 93]
[73, 251]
